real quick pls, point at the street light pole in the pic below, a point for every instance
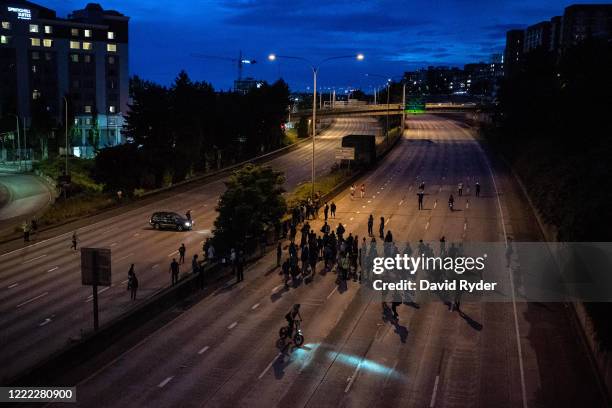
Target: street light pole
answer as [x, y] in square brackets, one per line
[403, 106]
[315, 71]
[66, 131]
[18, 138]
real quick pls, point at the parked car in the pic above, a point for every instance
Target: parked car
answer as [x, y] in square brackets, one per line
[167, 219]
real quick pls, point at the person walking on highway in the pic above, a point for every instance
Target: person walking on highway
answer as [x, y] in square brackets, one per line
[370, 225]
[389, 237]
[33, 226]
[362, 190]
[460, 189]
[75, 241]
[233, 259]
[133, 286]
[26, 231]
[420, 194]
[332, 208]
[210, 255]
[279, 254]
[451, 202]
[340, 231]
[130, 276]
[174, 271]
[239, 267]
[477, 189]
[422, 186]
[326, 210]
[381, 228]
[325, 228]
[182, 251]
[195, 265]
[352, 191]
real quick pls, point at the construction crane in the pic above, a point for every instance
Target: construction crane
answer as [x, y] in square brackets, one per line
[240, 61]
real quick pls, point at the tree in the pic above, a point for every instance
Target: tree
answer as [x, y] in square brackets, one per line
[252, 204]
[93, 134]
[303, 128]
[118, 168]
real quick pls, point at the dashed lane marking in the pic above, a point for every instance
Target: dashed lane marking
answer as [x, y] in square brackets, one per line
[124, 257]
[203, 350]
[268, 366]
[277, 288]
[172, 254]
[32, 300]
[231, 326]
[33, 259]
[55, 268]
[46, 321]
[432, 402]
[12, 286]
[90, 298]
[332, 292]
[427, 225]
[255, 306]
[163, 383]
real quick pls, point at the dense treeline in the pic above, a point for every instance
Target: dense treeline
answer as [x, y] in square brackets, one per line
[554, 126]
[176, 131]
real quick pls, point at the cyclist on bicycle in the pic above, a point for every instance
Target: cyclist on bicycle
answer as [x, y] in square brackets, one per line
[292, 316]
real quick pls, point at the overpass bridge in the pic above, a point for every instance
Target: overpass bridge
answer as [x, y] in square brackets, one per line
[384, 109]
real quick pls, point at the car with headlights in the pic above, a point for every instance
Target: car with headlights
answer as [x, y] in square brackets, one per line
[170, 220]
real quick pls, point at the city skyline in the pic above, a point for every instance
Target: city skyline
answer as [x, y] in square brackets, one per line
[393, 39]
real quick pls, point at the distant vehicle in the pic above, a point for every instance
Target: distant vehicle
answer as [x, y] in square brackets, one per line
[166, 219]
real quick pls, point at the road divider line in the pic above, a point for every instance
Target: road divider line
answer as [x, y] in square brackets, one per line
[255, 306]
[12, 286]
[231, 326]
[33, 259]
[427, 225]
[268, 366]
[332, 292]
[90, 298]
[46, 321]
[171, 254]
[351, 379]
[203, 350]
[124, 257]
[434, 394]
[55, 268]
[33, 299]
[163, 383]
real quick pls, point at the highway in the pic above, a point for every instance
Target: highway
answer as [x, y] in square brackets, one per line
[222, 351]
[21, 195]
[42, 301]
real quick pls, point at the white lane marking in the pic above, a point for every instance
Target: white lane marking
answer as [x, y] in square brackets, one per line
[203, 350]
[427, 225]
[231, 326]
[432, 402]
[155, 266]
[464, 226]
[166, 381]
[90, 298]
[268, 367]
[124, 257]
[33, 259]
[363, 206]
[351, 379]
[467, 205]
[276, 288]
[136, 234]
[351, 219]
[113, 244]
[516, 325]
[55, 268]
[172, 253]
[255, 306]
[369, 201]
[332, 292]
[33, 299]
[401, 202]
[12, 286]
[125, 281]
[435, 203]
[46, 321]
[388, 221]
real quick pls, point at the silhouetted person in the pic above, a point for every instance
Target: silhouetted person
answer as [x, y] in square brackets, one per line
[182, 251]
[477, 189]
[279, 253]
[333, 209]
[174, 271]
[381, 228]
[75, 241]
[326, 211]
[370, 225]
[420, 194]
[133, 283]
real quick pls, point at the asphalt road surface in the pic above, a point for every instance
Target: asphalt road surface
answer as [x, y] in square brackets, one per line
[222, 352]
[42, 302]
[21, 195]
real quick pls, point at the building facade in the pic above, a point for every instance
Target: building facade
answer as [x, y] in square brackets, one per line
[81, 61]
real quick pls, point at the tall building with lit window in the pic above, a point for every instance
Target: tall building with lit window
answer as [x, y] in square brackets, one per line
[83, 57]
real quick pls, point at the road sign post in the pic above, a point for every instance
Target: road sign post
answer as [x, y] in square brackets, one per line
[96, 270]
[345, 153]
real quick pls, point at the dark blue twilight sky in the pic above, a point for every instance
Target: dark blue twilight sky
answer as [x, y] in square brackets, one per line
[394, 35]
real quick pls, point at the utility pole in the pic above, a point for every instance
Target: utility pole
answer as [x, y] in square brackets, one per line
[403, 106]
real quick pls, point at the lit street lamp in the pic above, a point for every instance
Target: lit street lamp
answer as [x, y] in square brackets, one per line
[315, 70]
